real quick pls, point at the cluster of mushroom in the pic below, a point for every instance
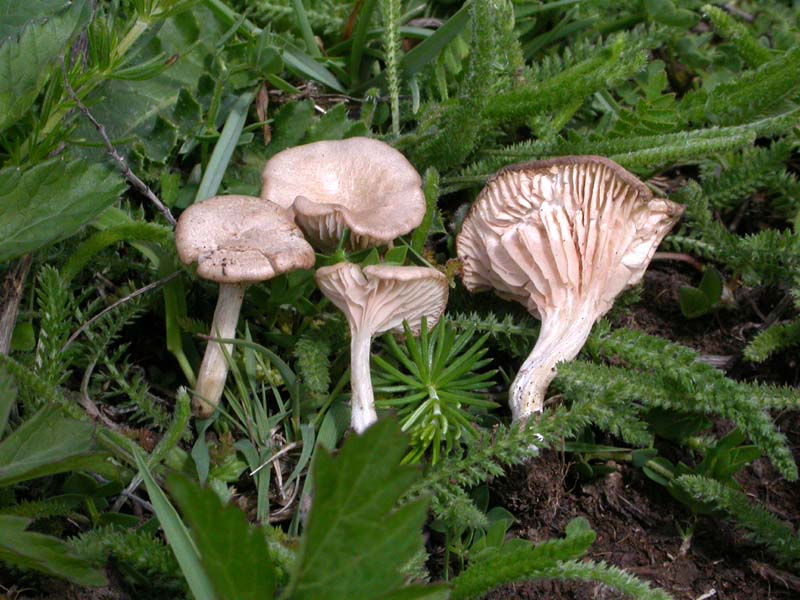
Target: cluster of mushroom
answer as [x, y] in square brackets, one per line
[319, 190]
[563, 237]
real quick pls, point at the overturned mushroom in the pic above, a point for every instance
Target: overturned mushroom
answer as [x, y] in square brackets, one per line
[375, 300]
[235, 240]
[358, 183]
[563, 237]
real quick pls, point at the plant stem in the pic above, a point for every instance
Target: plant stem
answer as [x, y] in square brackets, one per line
[214, 368]
[563, 334]
[362, 401]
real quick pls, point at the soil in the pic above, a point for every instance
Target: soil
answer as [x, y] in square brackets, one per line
[638, 523]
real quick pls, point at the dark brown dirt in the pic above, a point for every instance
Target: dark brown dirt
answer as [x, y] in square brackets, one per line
[638, 523]
[638, 528]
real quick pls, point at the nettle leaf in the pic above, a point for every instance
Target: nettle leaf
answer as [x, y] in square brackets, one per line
[14, 15]
[26, 62]
[357, 540]
[130, 109]
[46, 444]
[234, 555]
[50, 202]
[44, 553]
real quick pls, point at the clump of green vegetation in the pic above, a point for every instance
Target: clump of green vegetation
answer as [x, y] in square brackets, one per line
[118, 115]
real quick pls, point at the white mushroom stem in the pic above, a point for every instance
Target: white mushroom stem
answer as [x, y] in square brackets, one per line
[214, 368]
[362, 400]
[563, 334]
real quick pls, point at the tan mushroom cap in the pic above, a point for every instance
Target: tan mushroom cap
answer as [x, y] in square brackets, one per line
[358, 183]
[378, 298]
[572, 226]
[240, 239]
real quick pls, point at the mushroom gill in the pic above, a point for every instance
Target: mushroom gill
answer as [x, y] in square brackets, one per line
[563, 237]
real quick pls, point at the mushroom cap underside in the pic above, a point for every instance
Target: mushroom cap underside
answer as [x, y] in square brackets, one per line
[241, 239]
[358, 183]
[378, 298]
[557, 231]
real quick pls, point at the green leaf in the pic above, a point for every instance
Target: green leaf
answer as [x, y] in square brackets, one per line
[14, 15]
[655, 471]
[223, 150]
[8, 397]
[693, 302]
[292, 121]
[50, 202]
[333, 125]
[24, 338]
[25, 63]
[45, 444]
[357, 541]
[711, 284]
[44, 553]
[234, 555]
[177, 535]
[302, 65]
[129, 110]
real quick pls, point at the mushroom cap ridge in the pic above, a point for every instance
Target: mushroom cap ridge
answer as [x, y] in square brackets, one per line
[381, 297]
[549, 226]
[359, 183]
[240, 239]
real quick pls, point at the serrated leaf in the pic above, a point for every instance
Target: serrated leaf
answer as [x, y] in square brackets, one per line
[292, 121]
[46, 444]
[25, 62]
[50, 202]
[234, 555]
[44, 553]
[129, 109]
[14, 15]
[357, 541]
[333, 125]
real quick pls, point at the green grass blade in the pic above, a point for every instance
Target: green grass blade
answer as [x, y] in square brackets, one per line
[177, 535]
[223, 150]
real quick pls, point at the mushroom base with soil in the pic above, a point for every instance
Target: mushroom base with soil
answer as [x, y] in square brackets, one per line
[563, 334]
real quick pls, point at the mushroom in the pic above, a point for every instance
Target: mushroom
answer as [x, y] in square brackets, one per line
[374, 300]
[563, 237]
[235, 240]
[358, 183]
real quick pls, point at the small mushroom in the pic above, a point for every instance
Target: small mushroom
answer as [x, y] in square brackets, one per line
[358, 183]
[375, 300]
[563, 237]
[235, 240]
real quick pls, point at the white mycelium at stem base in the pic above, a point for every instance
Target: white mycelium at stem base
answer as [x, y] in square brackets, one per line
[563, 237]
[375, 300]
[561, 337]
[214, 368]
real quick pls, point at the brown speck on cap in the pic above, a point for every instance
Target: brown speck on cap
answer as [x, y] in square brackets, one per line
[240, 239]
